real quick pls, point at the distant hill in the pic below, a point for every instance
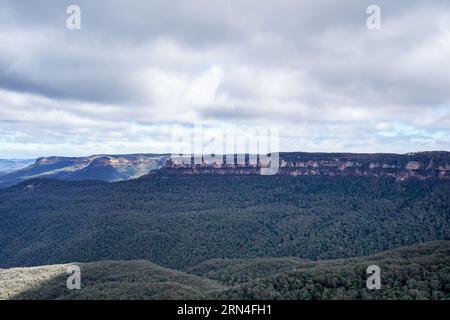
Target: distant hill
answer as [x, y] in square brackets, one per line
[99, 167]
[415, 272]
[10, 165]
[104, 280]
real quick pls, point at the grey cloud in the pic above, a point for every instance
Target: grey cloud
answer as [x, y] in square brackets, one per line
[290, 63]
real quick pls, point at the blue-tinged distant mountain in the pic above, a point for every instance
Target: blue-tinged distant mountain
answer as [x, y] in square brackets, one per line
[98, 167]
[9, 165]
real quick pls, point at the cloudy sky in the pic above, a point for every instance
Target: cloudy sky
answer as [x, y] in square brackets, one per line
[138, 69]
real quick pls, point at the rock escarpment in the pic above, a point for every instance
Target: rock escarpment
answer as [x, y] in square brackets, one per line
[422, 165]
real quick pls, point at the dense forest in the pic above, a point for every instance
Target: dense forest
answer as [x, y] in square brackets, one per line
[416, 272]
[181, 221]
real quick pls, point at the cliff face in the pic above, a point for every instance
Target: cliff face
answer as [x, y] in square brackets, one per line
[419, 165]
[122, 167]
[99, 167]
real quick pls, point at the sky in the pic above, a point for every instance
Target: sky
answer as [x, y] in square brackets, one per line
[137, 70]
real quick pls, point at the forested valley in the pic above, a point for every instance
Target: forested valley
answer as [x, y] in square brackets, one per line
[191, 224]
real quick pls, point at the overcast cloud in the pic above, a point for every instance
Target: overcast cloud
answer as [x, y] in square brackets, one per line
[138, 68]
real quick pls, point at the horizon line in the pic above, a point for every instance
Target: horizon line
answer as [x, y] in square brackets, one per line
[239, 153]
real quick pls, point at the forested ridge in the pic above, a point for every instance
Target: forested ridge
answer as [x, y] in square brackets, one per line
[416, 272]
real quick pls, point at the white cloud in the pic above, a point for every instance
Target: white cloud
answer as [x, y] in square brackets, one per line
[314, 70]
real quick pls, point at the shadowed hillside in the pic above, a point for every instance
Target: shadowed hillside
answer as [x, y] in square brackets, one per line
[415, 272]
[104, 280]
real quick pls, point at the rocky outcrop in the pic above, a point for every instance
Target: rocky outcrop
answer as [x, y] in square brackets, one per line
[421, 165]
[110, 168]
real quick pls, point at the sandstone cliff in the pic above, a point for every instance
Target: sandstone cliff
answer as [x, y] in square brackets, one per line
[420, 165]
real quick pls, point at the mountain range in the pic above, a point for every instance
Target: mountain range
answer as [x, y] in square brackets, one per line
[98, 167]
[112, 168]
[156, 229]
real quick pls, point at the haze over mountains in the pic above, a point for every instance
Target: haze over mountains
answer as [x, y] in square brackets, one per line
[98, 167]
[9, 165]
